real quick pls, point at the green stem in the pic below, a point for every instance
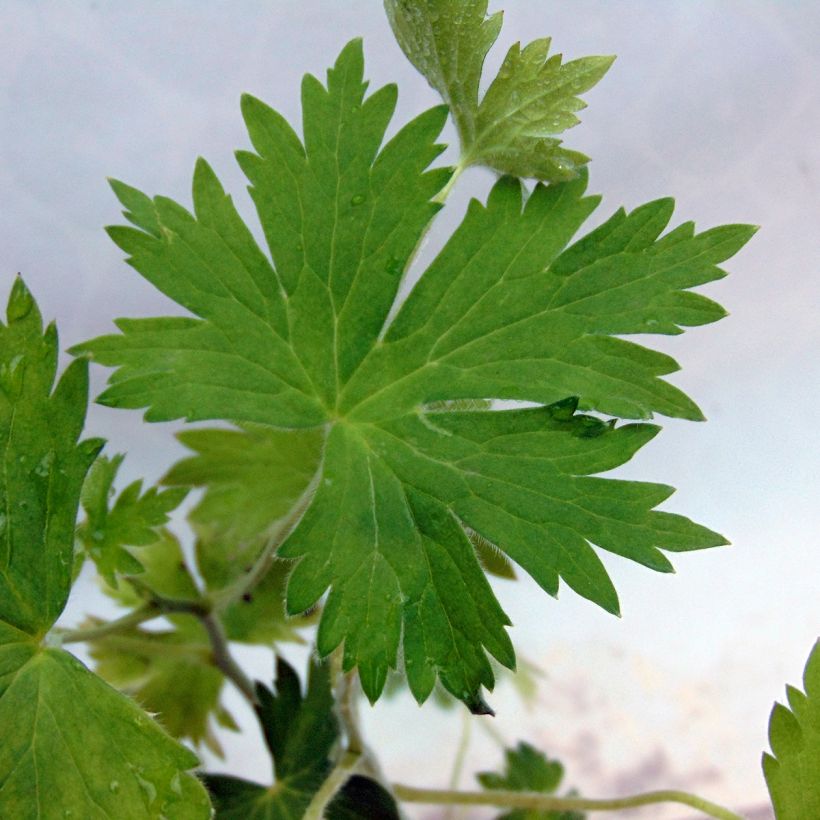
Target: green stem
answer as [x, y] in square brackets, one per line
[223, 659]
[542, 802]
[247, 582]
[442, 195]
[350, 764]
[147, 612]
[458, 762]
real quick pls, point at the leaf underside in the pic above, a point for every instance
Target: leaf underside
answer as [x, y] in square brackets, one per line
[793, 769]
[506, 311]
[513, 129]
[71, 745]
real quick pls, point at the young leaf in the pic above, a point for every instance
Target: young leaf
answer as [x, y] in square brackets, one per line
[131, 521]
[171, 674]
[528, 770]
[506, 311]
[793, 769]
[67, 736]
[533, 98]
[299, 731]
[253, 477]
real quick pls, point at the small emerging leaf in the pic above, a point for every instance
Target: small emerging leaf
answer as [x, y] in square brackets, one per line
[528, 770]
[130, 521]
[513, 128]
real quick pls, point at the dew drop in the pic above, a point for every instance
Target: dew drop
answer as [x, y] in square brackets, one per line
[394, 266]
[114, 786]
[651, 322]
[176, 784]
[98, 535]
[44, 466]
[357, 199]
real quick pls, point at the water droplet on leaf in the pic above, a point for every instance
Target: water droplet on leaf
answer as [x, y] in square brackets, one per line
[357, 200]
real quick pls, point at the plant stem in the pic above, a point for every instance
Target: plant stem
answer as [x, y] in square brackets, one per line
[350, 764]
[458, 761]
[225, 661]
[147, 612]
[542, 802]
[247, 582]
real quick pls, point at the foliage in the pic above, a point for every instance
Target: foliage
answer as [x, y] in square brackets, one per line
[385, 453]
[65, 732]
[793, 769]
[300, 731]
[526, 769]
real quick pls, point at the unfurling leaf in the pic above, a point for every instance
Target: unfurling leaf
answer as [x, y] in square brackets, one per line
[513, 128]
[508, 310]
[71, 745]
[793, 769]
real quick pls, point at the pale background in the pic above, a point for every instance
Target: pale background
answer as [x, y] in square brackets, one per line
[716, 103]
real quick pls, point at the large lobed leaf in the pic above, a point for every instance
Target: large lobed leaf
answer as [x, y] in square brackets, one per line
[506, 311]
[72, 746]
[534, 97]
[793, 769]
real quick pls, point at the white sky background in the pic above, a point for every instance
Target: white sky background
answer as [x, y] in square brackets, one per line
[716, 103]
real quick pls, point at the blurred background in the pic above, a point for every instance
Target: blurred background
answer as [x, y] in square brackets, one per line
[716, 103]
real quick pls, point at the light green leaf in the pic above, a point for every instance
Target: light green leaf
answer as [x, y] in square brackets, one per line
[252, 478]
[74, 747]
[171, 674]
[534, 97]
[131, 521]
[793, 769]
[43, 467]
[506, 311]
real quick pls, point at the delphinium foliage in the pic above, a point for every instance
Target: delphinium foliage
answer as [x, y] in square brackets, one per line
[382, 455]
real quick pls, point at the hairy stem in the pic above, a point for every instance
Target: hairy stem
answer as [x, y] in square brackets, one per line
[147, 612]
[542, 802]
[247, 582]
[458, 762]
[225, 661]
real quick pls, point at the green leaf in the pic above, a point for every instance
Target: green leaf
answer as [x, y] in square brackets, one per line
[131, 521]
[793, 769]
[362, 799]
[533, 98]
[44, 465]
[171, 674]
[252, 478]
[506, 311]
[299, 732]
[527, 769]
[74, 747]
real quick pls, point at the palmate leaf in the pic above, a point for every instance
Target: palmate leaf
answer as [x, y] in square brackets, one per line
[72, 746]
[300, 730]
[793, 769]
[506, 311]
[526, 769]
[131, 520]
[534, 97]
